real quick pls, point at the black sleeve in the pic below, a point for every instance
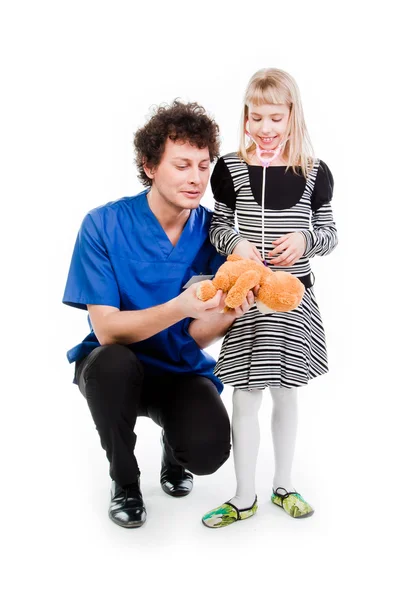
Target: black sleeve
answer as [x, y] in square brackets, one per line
[222, 185]
[323, 188]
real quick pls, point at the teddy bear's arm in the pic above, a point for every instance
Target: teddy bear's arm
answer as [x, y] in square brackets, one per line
[243, 285]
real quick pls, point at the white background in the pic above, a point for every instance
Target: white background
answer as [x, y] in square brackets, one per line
[78, 79]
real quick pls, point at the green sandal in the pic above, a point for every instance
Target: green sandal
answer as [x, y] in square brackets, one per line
[292, 503]
[226, 514]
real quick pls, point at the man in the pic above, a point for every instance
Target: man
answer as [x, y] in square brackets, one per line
[144, 354]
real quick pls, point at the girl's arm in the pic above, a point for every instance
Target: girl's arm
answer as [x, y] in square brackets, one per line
[323, 237]
[223, 234]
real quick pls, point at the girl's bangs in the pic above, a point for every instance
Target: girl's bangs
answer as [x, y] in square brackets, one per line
[266, 94]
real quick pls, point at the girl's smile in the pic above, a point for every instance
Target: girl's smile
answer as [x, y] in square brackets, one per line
[268, 142]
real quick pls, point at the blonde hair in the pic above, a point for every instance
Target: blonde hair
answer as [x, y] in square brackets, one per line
[273, 86]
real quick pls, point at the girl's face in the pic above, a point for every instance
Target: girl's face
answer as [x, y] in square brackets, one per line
[267, 124]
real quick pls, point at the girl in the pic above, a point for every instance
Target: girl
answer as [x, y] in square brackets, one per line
[272, 185]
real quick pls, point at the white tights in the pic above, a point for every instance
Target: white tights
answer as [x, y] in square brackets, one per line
[246, 439]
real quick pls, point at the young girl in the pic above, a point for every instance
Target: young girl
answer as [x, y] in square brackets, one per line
[272, 185]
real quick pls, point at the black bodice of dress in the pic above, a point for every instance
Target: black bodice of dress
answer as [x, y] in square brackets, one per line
[283, 187]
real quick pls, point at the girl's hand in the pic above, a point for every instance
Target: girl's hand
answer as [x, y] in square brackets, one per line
[246, 249]
[292, 246]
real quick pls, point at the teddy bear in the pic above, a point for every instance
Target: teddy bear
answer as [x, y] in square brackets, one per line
[279, 291]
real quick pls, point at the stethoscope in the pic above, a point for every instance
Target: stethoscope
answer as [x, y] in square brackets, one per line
[265, 162]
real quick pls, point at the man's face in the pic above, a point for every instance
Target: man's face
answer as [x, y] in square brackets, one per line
[181, 177]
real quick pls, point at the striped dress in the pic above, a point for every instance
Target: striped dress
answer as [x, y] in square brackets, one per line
[278, 349]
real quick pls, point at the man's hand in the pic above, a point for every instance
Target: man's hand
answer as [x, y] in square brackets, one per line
[292, 246]
[246, 249]
[190, 306]
[212, 326]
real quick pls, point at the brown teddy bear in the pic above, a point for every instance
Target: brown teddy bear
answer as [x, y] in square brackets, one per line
[279, 291]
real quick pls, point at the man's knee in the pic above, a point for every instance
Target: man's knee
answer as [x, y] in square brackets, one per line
[113, 361]
[204, 458]
[108, 381]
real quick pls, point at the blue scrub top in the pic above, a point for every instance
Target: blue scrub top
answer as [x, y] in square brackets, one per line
[123, 258]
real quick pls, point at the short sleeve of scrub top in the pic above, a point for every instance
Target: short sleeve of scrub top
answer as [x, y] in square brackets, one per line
[91, 279]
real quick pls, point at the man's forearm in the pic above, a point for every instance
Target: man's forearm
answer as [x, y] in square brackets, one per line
[206, 332]
[131, 326]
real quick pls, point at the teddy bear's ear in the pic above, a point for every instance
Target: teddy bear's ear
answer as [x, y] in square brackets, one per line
[234, 257]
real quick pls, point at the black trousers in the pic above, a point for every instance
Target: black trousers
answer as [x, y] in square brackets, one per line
[188, 408]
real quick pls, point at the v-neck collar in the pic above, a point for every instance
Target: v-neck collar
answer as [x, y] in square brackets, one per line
[168, 250]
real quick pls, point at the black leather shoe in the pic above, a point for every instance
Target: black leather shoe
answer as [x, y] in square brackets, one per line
[174, 479]
[126, 506]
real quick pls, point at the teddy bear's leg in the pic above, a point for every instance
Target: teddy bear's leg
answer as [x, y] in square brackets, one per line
[206, 290]
[239, 291]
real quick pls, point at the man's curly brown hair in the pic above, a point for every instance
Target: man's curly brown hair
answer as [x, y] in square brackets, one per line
[185, 122]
